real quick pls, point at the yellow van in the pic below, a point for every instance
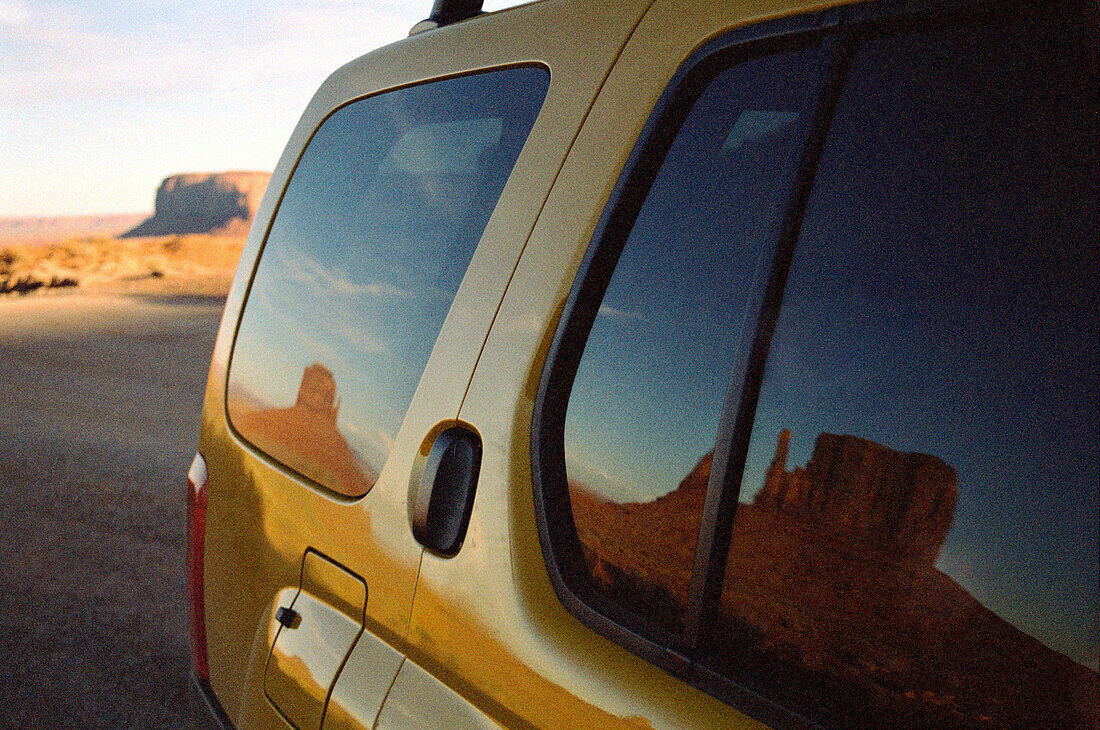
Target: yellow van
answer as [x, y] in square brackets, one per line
[657, 364]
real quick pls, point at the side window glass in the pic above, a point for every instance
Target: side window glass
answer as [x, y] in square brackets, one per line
[364, 257]
[646, 401]
[916, 542]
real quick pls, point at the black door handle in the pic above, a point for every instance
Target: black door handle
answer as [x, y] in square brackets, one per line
[440, 505]
[288, 617]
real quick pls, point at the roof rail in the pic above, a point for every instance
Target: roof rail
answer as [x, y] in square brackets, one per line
[445, 12]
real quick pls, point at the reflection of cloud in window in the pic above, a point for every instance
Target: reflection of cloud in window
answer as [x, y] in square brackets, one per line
[314, 276]
[753, 125]
[619, 314]
[447, 148]
[299, 271]
[318, 308]
[306, 320]
[600, 482]
[385, 291]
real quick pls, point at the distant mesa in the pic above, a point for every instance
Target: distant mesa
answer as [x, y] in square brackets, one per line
[222, 203]
[190, 246]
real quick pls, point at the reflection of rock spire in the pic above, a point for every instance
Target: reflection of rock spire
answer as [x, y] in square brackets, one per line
[306, 437]
[775, 480]
[317, 393]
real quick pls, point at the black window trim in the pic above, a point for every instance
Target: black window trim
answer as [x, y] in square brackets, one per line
[675, 653]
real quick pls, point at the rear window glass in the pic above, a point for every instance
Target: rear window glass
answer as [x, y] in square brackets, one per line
[366, 252]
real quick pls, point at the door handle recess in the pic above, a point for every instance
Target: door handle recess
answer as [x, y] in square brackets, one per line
[441, 504]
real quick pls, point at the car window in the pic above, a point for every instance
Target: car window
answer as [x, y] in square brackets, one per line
[364, 256]
[649, 389]
[916, 542]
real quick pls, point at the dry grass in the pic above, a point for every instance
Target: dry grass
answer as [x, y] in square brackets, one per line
[179, 264]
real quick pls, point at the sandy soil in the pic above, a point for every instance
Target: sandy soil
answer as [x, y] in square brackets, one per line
[100, 397]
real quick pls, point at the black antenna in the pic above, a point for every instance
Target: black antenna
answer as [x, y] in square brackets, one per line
[445, 12]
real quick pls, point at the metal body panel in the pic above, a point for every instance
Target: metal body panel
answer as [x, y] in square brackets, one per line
[311, 647]
[420, 700]
[306, 658]
[363, 684]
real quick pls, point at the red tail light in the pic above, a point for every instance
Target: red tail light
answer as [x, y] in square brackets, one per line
[196, 534]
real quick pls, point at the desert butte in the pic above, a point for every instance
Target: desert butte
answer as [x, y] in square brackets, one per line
[190, 246]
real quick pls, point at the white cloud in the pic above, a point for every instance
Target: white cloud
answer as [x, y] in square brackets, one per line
[14, 12]
[78, 52]
[385, 291]
[306, 273]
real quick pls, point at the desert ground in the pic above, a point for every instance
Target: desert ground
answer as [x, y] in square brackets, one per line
[101, 402]
[171, 265]
[102, 384]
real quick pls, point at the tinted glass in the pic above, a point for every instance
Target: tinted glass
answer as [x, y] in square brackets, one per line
[363, 259]
[919, 521]
[647, 397]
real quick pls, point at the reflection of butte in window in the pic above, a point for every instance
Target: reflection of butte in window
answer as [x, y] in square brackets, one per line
[306, 438]
[317, 393]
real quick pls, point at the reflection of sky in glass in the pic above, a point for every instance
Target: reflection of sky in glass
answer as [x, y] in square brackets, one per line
[371, 241]
[944, 300]
[646, 399]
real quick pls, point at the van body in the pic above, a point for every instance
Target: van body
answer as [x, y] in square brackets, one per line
[639, 363]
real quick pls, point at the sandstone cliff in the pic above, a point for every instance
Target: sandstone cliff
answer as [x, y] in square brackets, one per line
[220, 203]
[643, 552]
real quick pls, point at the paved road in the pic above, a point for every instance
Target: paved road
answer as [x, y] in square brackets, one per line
[99, 404]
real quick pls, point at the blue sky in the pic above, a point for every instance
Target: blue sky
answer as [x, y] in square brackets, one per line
[99, 101]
